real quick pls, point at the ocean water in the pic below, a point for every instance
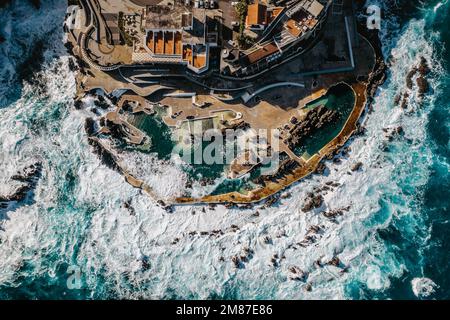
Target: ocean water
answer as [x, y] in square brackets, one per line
[74, 237]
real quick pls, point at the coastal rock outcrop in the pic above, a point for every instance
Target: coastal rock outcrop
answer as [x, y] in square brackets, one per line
[313, 201]
[420, 73]
[313, 121]
[26, 179]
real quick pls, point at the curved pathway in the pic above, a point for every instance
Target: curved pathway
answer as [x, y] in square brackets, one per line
[246, 97]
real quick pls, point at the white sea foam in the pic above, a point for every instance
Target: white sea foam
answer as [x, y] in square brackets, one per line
[423, 287]
[79, 215]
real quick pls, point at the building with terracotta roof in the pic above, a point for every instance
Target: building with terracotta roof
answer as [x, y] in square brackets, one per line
[256, 16]
[179, 35]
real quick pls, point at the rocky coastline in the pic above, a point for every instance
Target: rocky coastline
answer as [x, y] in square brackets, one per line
[313, 121]
[25, 182]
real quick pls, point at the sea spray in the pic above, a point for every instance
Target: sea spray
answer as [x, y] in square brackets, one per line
[126, 246]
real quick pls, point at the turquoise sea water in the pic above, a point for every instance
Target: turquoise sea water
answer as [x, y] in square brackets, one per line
[341, 99]
[394, 237]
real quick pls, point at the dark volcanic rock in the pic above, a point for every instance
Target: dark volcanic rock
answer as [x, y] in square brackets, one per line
[321, 168]
[357, 166]
[423, 68]
[89, 126]
[423, 86]
[106, 156]
[313, 202]
[312, 122]
[28, 178]
[409, 77]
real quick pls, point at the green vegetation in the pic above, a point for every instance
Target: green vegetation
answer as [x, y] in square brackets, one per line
[126, 37]
[241, 9]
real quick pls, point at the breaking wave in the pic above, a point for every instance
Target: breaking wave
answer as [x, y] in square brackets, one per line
[126, 246]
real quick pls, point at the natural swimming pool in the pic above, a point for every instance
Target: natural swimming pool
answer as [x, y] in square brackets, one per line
[340, 98]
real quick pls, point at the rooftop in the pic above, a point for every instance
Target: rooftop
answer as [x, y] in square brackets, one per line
[169, 17]
[256, 14]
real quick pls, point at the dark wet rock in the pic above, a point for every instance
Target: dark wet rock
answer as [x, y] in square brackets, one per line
[333, 184]
[237, 262]
[78, 104]
[361, 130]
[274, 262]
[314, 120]
[256, 214]
[229, 205]
[267, 240]
[107, 157]
[335, 261]
[309, 239]
[102, 103]
[345, 151]
[377, 77]
[422, 85]
[166, 207]
[409, 77]
[313, 202]
[145, 264]
[17, 195]
[399, 130]
[89, 126]
[127, 205]
[423, 68]
[234, 228]
[308, 287]
[169, 209]
[161, 203]
[286, 195]
[318, 263]
[321, 168]
[344, 270]
[357, 166]
[392, 133]
[28, 173]
[216, 233]
[314, 229]
[404, 103]
[271, 201]
[72, 65]
[335, 213]
[297, 274]
[397, 99]
[28, 178]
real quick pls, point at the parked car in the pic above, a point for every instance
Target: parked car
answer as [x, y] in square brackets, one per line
[212, 4]
[234, 3]
[235, 23]
[197, 4]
